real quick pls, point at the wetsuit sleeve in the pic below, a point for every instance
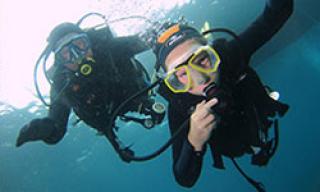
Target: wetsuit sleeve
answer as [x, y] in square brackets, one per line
[130, 45]
[59, 114]
[275, 14]
[187, 163]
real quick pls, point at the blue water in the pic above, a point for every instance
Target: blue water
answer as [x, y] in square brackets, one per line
[84, 162]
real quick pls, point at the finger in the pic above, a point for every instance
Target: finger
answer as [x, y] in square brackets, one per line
[199, 105]
[202, 124]
[200, 114]
[211, 126]
[197, 114]
[211, 103]
[208, 120]
[209, 123]
[204, 109]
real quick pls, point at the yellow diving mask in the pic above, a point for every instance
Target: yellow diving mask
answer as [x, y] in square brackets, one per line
[204, 60]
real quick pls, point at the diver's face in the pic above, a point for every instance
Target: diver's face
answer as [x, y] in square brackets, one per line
[74, 50]
[199, 80]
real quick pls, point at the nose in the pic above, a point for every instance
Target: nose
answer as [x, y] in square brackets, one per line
[75, 55]
[206, 63]
[199, 78]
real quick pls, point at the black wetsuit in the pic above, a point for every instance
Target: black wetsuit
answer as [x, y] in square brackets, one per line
[115, 76]
[232, 137]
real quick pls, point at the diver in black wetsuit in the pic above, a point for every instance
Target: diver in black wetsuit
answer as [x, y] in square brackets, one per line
[212, 88]
[93, 73]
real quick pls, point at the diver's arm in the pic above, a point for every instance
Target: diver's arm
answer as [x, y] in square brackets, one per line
[50, 129]
[130, 45]
[187, 163]
[275, 14]
[59, 113]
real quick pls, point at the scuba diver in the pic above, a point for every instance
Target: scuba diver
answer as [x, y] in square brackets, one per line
[93, 72]
[216, 97]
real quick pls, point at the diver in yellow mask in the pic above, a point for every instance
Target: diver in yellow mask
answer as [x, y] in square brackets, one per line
[216, 96]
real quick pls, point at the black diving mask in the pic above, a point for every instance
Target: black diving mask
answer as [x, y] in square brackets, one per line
[72, 48]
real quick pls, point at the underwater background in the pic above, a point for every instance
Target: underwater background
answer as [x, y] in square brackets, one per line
[83, 161]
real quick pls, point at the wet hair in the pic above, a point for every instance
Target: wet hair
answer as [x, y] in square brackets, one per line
[170, 36]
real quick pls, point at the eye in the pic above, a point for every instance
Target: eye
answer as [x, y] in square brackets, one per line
[80, 43]
[65, 53]
[181, 73]
[205, 61]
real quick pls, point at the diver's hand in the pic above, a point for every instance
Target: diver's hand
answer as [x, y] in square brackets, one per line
[202, 122]
[35, 130]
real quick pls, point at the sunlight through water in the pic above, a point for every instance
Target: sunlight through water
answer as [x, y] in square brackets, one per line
[24, 28]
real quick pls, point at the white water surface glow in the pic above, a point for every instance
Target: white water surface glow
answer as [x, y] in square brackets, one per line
[25, 25]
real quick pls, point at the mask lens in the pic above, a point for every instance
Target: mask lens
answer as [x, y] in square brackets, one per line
[81, 43]
[72, 49]
[179, 79]
[64, 54]
[205, 60]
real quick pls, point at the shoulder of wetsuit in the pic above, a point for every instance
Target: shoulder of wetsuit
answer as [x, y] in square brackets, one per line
[233, 63]
[99, 35]
[221, 46]
[140, 70]
[218, 43]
